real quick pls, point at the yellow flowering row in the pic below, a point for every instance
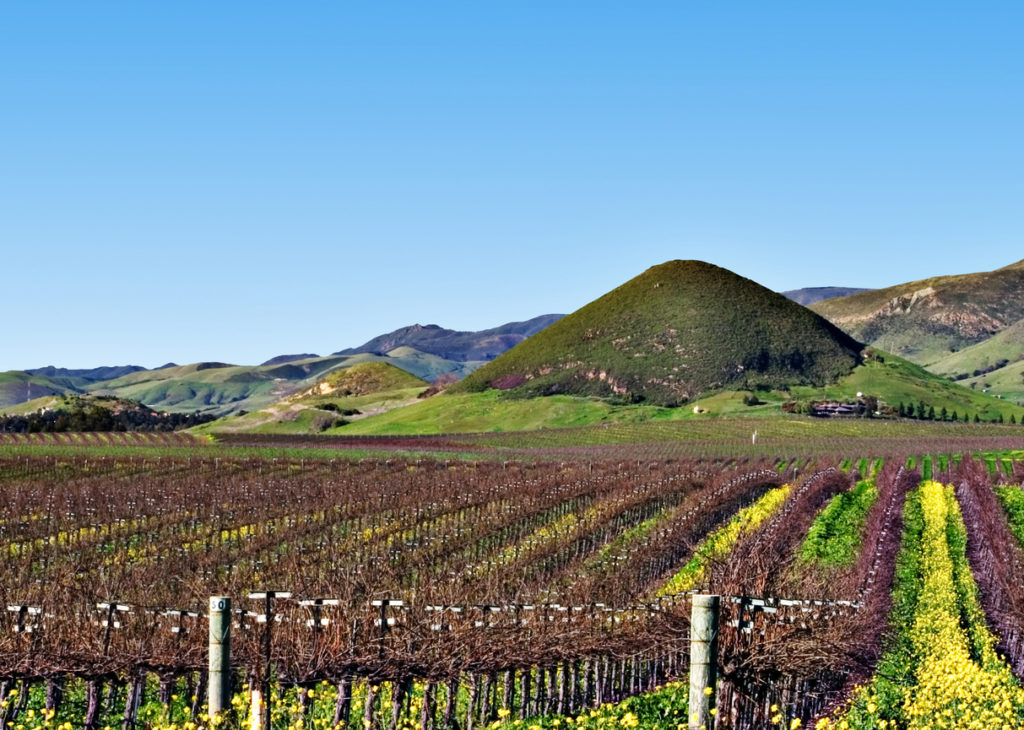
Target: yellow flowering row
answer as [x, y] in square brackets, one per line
[957, 680]
[720, 542]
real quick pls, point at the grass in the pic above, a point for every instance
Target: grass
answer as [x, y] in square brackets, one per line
[225, 389]
[481, 412]
[1007, 344]
[1007, 382]
[835, 536]
[890, 379]
[1012, 499]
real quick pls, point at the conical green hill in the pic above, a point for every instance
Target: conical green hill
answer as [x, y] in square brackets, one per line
[676, 331]
[367, 378]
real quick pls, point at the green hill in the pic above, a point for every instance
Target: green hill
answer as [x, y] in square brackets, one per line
[18, 386]
[887, 378]
[1006, 382]
[365, 389]
[995, 353]
[221, 388]
[366, 379]
[665, 337]
[927, 320]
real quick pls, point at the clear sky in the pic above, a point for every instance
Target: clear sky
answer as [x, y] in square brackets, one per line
[236, 180]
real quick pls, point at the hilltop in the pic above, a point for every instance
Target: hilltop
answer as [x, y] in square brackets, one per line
[365, 379]
[927, 320]
[672, 333]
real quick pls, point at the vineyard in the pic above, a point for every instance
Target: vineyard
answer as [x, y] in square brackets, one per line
[469, 593]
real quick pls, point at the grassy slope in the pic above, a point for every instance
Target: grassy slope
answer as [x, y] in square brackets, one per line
[474, 412]
[15, 385]
[1007, 382]
[909, 321]
[30, 406]
[369, 378]
[233, 388]
[1007, 344]
[898, 380]
[676, 331]
[305, 415]
[370, 387]
[892, 381]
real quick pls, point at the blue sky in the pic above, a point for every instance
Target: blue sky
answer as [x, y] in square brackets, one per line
[231, 181]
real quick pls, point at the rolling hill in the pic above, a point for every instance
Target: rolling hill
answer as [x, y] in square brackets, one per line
[221, 388]
[362, 390]
[998, 351]
[672, 333]
[927, 320]
[682, 330]
[18, 386]
[428, 352]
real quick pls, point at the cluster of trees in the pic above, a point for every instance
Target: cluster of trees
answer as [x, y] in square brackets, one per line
[999, 364]
[76, 414]
[924, 412]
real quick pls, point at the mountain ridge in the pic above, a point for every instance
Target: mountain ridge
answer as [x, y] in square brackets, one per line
[811, 294]
[927, 319]
[464, 346]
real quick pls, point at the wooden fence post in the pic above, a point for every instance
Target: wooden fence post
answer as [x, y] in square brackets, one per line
[219, 677]
[703, 660]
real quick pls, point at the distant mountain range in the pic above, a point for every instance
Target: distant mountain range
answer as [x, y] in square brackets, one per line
[810, 295]
[428, 352]
[966, 327]
[684, 333]
[92, 374]
[454, 345]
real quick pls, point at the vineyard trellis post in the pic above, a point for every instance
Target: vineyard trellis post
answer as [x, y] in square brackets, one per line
[268, 619]
[219, 675]
[703, 659]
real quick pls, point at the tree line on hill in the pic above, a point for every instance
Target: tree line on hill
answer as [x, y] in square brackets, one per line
[924, 412]
[74, 414]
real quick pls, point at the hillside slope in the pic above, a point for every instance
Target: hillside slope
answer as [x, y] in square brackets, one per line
[998, 351]
[924, 321]
[221, 388]
[18, 386]
[362, 390]
[677, 330]
[887, 378]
